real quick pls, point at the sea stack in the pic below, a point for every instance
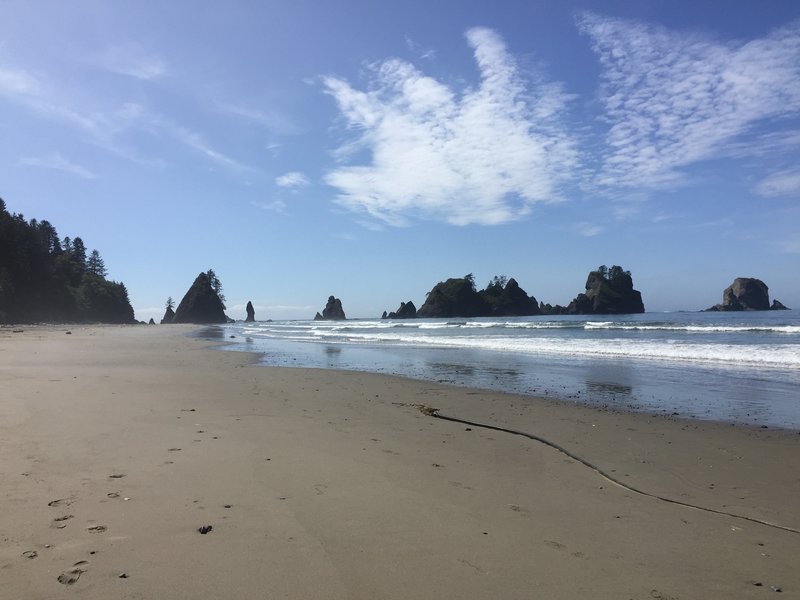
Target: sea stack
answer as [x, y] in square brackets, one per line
[333, 311]
[201, 304]
[609, 291]
[407, 310]
[251, 313]
[746, 293]
[169, 316]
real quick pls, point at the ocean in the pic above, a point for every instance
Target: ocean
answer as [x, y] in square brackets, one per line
[731, 367]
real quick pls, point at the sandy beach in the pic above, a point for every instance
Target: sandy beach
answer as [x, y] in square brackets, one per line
[120, 443]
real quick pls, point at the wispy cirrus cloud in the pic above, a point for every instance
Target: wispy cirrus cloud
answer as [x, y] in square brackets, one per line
[59, 163]
[672, 99]
[134, 61]
[781, 183]
[277, 121]
[103, 122]
[587, 229]
[482, 155]
[292, 179]
[278, 206]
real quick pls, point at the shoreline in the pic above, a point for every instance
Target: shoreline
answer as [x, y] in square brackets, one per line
[707, 391]
[338, 486]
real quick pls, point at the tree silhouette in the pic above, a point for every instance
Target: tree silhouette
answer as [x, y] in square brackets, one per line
[170, 303]
[95, 264]
[216, 285]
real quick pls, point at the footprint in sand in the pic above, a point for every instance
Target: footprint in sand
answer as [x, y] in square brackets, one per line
[60, 502]
[30, 554]
[97, 528]
[173, 450]
[58, 522]
[117, 476]
[72, 575]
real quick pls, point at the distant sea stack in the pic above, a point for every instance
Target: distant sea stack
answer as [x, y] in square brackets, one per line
[506, 299]
[201, 304]
[457, 297]
[251, 313]
[169, 316]
[333, 311]
[407, 310]
[746, 293]
[608, 292]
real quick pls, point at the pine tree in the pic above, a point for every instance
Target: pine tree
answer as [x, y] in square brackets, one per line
[170, 303]
[79, 251]
[216, 285]
[95, 264]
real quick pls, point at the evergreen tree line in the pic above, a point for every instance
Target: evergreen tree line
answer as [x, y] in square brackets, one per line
[46, 279]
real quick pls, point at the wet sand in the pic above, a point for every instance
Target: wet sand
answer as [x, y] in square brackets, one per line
[120, 443]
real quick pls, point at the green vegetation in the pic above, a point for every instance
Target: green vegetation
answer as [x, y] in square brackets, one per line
[457, 297]
[43, 279]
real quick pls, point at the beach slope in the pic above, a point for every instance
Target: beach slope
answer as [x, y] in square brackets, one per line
[120, 443]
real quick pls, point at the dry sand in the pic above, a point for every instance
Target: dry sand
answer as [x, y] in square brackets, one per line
[118, 443]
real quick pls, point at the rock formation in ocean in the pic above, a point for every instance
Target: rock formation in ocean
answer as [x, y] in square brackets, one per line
[151, 321]
[201, 304]
[455, 297]
[251, 313]
[333, 311]
[778, 305]
[407, 310]
[746, 293]
[608, 292]
[506, 299]
[169, 316]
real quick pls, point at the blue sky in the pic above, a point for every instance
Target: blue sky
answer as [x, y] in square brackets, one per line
[369, 150]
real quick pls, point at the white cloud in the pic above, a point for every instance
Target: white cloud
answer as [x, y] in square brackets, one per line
[673, 99]
[104, 125]
[13, 81]
[782, 183]
[278, 206]
[587, 229]
[59, 163]
[133, 61]
[275, 120]
[293, 179]
[483, 155]
[419, 49]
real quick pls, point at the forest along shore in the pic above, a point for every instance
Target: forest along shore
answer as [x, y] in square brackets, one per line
[137, 462]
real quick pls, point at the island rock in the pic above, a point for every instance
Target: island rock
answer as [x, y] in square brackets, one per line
[333, 311]
[251, 312]
[169, 316]
[407, 310]
[201, 304]
[608, 292]
[455, 297]
[507, 299]
[746, 293]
